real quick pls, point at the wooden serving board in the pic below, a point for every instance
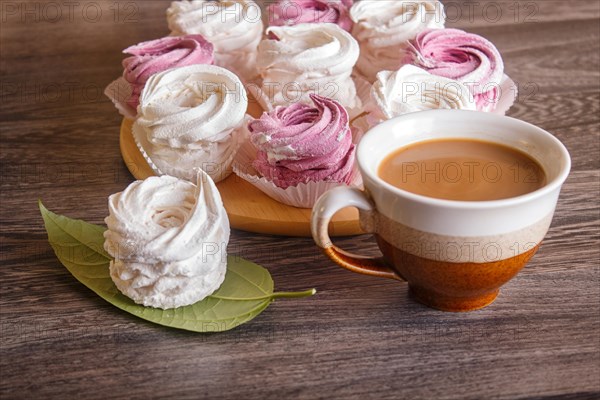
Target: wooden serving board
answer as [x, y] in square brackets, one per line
[248, 208]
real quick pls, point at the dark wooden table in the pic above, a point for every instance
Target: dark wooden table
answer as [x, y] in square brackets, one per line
[359, 337]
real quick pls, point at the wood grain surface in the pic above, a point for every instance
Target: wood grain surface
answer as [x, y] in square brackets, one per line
[359, 337]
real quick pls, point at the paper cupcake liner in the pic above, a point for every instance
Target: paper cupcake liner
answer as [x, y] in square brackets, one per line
[304, 195]
[363, 89]
[119, 91]
[142, 143]
[508, 95]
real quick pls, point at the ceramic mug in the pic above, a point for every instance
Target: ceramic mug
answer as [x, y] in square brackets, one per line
[455, 255]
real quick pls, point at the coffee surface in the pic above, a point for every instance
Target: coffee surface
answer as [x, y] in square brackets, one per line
[462, 169]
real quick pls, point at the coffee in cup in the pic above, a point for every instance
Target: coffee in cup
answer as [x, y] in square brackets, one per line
[470, 208]
[462, 169]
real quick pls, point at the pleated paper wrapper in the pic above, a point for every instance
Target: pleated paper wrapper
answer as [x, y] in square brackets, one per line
[304, 195]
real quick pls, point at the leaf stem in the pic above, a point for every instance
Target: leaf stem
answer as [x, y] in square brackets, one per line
[277, 295]
[290, 295]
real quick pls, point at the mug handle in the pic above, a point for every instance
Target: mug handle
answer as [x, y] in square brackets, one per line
[327, 205]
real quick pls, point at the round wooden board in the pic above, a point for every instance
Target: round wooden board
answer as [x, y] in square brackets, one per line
[248, 208]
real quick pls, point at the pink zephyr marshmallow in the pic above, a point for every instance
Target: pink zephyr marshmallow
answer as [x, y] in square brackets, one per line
[301, 143]
[293, 12]
[465, 57]
[148, 58]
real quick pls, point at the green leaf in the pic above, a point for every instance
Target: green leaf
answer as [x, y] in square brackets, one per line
[245, 293]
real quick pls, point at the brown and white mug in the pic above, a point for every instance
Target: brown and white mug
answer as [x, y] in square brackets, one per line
[455, 255]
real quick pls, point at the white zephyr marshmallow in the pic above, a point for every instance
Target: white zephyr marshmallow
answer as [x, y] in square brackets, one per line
[234, 27]
[169, 241]
[413, 89]
[190, 118]
[383, 28]
[308, 58]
